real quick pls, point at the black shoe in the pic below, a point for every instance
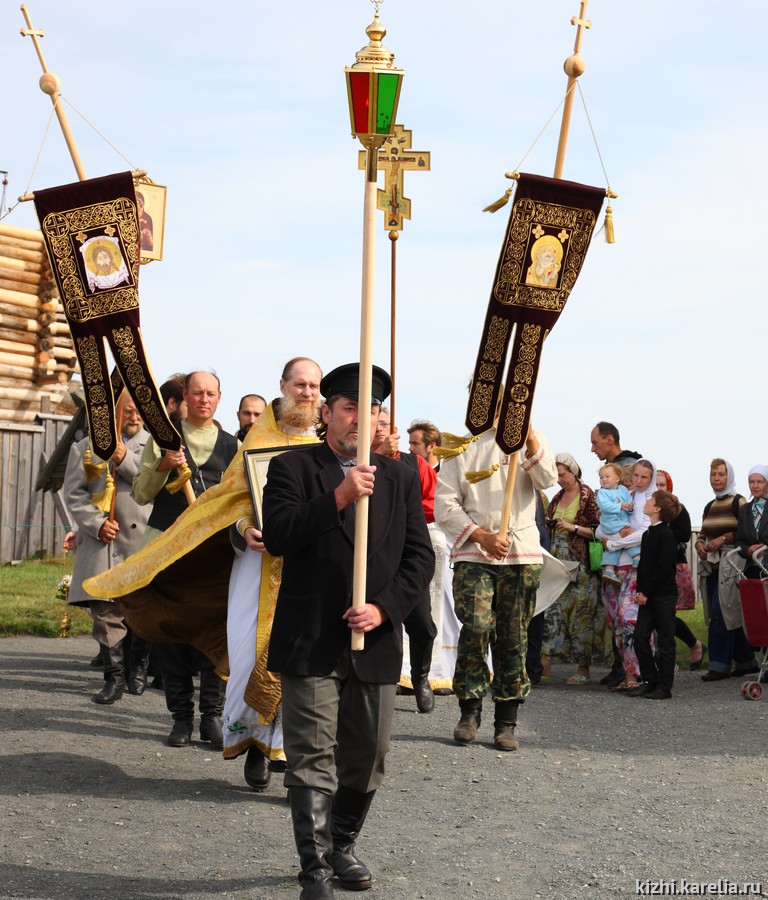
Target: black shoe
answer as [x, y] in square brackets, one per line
[659, 694]
[114, 677]
[697, 665]
[740, 673]
[715, 676]
[211, 729]
[425, 699]
[256, 770]
[641, 690]
[97, 662]
[277, 765]
[113, 690]
[181, 734]
[137, 681]
[613, 678]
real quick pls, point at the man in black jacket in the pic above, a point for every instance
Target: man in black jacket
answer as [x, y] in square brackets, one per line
[338, 704]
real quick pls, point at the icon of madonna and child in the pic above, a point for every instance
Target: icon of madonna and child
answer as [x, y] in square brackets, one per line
[104, 263]
[546, 262]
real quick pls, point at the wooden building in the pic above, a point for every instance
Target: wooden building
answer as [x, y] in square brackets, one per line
[37, 363]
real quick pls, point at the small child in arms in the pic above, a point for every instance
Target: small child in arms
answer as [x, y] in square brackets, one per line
[615, 504]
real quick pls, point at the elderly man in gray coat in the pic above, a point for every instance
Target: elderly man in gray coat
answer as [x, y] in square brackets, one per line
[103, 542]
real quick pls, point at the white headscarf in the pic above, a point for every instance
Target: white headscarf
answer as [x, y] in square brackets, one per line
[565, 459]
[730, 488]
[759, 470]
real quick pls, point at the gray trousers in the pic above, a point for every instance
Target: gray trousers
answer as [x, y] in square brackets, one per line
[336, 730]
[109, 627]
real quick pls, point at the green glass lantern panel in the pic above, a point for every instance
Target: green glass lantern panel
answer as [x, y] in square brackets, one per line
[388, 85]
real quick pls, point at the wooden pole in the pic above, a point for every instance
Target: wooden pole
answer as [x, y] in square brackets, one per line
[113, 501]
[574, 66]
[51, 84]
[359, 573]
[393, 236]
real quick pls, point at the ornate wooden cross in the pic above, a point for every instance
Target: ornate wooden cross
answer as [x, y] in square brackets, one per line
[395, 158]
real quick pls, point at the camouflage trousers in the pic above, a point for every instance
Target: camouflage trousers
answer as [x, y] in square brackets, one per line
[494, 605]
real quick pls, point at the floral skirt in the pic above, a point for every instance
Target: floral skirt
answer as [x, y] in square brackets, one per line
[575, 625]
[686, 595]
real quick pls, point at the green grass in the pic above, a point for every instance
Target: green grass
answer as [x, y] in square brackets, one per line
[28, 601]
[694, 619]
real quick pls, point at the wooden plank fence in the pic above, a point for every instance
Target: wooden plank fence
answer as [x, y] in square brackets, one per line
[31, 522]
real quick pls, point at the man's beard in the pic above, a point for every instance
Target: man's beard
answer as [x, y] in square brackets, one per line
[130, 429]
[302, 416]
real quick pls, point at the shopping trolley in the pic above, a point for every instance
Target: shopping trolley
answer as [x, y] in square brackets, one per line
[753, 593]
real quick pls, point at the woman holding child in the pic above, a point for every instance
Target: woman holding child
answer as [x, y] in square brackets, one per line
[620, 600]
[575, 624]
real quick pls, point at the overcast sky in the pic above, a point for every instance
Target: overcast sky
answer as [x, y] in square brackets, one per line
[240, 109]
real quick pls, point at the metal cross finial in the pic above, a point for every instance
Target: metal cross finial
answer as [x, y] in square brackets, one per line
[580, 22]
[376, 5]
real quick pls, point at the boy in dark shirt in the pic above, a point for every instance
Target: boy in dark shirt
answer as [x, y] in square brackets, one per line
[657, 598]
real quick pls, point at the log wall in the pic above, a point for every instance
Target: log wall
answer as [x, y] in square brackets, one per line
[37, 356]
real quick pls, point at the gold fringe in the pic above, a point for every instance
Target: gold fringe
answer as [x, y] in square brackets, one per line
[103, 499]
[453, 445]
[92, 470]
[481, 474]
[502, 201]
[185, 473]
[609, 236]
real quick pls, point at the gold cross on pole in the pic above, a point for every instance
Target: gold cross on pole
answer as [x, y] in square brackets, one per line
[51, 84]
[580, 22]
[34, 33]
[395, 158]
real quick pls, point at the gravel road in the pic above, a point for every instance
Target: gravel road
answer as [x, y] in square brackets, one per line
[606, 795]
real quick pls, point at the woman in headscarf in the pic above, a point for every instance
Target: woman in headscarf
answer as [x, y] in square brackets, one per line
[575, 624]
[686, 595]
[718, 583]
[752, 533]
[620, 601]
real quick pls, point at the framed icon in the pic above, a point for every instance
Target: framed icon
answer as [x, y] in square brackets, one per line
[256, 465]
[150, 204]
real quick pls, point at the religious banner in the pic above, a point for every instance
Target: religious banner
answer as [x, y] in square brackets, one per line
[547, 238]
[91, 233]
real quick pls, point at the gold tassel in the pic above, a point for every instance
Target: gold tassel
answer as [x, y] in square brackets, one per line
[92, 470]
[502, 201]
[103, 499]
[482, 474]
[453, 445]
[185, 473]
[609, 238]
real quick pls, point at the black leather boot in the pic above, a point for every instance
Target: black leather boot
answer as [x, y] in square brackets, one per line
[348, 811]
[138, 665]
[256, 770]
[504, 723]
[466, 730]
[311, 814]
[211, 706]
[114, 675]
[421, 662]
